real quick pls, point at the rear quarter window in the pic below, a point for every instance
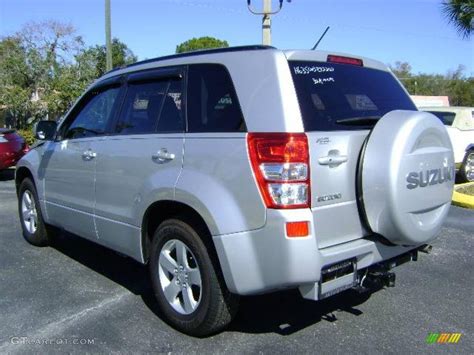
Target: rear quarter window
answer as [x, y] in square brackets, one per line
[328, 92]
[212, 102]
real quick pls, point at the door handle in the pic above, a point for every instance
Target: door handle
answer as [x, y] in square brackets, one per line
[89, 155]
[162, 156]
[332, 159]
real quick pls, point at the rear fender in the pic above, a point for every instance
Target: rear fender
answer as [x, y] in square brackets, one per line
[220, 208]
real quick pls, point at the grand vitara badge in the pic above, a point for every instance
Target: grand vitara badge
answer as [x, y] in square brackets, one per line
[429, 177]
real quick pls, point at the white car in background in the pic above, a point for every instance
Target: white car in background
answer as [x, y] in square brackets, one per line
[459, 122]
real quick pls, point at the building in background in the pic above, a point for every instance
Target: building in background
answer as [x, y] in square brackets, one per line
[430, 101]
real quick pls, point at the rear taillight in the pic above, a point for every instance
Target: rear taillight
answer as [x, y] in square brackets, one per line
[280, 162]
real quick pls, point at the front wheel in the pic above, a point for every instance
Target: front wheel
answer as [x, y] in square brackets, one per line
[35, 231]
[466, 172]
[186, 281]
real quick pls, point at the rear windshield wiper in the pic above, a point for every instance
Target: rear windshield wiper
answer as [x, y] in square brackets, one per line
[360, 121]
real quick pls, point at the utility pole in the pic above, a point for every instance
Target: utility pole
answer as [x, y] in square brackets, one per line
[267, 23]
[266, 19]
[108, 37]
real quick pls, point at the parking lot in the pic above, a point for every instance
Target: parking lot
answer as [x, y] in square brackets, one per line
[77, 296]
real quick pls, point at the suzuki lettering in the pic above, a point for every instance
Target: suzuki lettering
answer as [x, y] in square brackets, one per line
[429, 177]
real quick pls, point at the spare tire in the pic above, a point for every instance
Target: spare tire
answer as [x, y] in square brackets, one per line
[407, 177]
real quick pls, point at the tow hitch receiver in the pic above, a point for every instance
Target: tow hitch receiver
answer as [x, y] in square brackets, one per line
[379, 279]
[378, 275]
[344, 275]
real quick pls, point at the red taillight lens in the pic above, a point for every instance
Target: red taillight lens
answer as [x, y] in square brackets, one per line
[280, 148]
[280, 162]
[345, 60]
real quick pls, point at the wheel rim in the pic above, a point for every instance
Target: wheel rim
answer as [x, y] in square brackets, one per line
[469, 167]
[29, 212]
[180, 277]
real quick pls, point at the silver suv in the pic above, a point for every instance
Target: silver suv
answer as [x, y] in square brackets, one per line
[242, 171]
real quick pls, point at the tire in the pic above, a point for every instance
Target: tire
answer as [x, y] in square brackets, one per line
[197, 302]
[35, 231]
[466, 172]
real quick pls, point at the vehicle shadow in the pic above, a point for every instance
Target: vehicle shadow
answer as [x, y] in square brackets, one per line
[7, 174]
[284, 312]
[120, 269]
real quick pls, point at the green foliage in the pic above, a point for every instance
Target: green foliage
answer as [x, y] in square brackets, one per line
[195, 44]
[45, 67]
[454, 84]
[121, 56]
[28, 135]
[30, 61]
[460, 13]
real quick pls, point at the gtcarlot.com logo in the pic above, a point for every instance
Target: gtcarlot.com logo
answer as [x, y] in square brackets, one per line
[50, 341]
[443, 338]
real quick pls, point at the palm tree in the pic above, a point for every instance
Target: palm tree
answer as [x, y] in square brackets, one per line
[460, 13]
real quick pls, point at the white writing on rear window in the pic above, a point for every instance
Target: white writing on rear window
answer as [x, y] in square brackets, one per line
[322, 81]
[306, 69]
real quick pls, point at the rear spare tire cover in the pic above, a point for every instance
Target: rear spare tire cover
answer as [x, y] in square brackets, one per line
[407, 177]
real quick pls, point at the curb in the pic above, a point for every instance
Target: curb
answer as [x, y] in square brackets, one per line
[462, 200]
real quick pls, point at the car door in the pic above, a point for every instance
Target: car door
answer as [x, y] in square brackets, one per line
[68, 166]
[140, 163]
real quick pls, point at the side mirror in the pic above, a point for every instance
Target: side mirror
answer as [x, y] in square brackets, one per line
[46, 130]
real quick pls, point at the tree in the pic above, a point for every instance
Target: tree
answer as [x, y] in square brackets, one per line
[45, 67]
[460, 13]
[121, 56]
[30, 60]
[89, 64]
[459, 88]
[454, 84]
[195, 44]
[401, 69]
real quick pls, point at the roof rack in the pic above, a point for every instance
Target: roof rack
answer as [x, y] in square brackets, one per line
[194, 53]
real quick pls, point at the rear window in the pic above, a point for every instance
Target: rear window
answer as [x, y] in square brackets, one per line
[329, 92]
[446, 117]
[9, 135]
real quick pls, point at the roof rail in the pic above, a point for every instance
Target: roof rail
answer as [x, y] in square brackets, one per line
[195, 53]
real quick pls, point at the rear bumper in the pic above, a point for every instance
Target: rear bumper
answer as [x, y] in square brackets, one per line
[264, 260]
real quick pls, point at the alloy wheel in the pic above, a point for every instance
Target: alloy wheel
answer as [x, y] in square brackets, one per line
[180, 277]
[469, 167]
[29, 212]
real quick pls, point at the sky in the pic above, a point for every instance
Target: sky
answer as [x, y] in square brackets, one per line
[413, 31]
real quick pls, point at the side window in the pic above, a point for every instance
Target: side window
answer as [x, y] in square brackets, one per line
[94, 116]
[151, 107]
[171, 118]
[212, 102]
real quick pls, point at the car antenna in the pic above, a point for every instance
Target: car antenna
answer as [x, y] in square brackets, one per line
[320, 38]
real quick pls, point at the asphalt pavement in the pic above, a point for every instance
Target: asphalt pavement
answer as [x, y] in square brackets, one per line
[77, 296]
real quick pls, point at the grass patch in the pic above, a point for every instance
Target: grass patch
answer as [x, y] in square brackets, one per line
[467, 189]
